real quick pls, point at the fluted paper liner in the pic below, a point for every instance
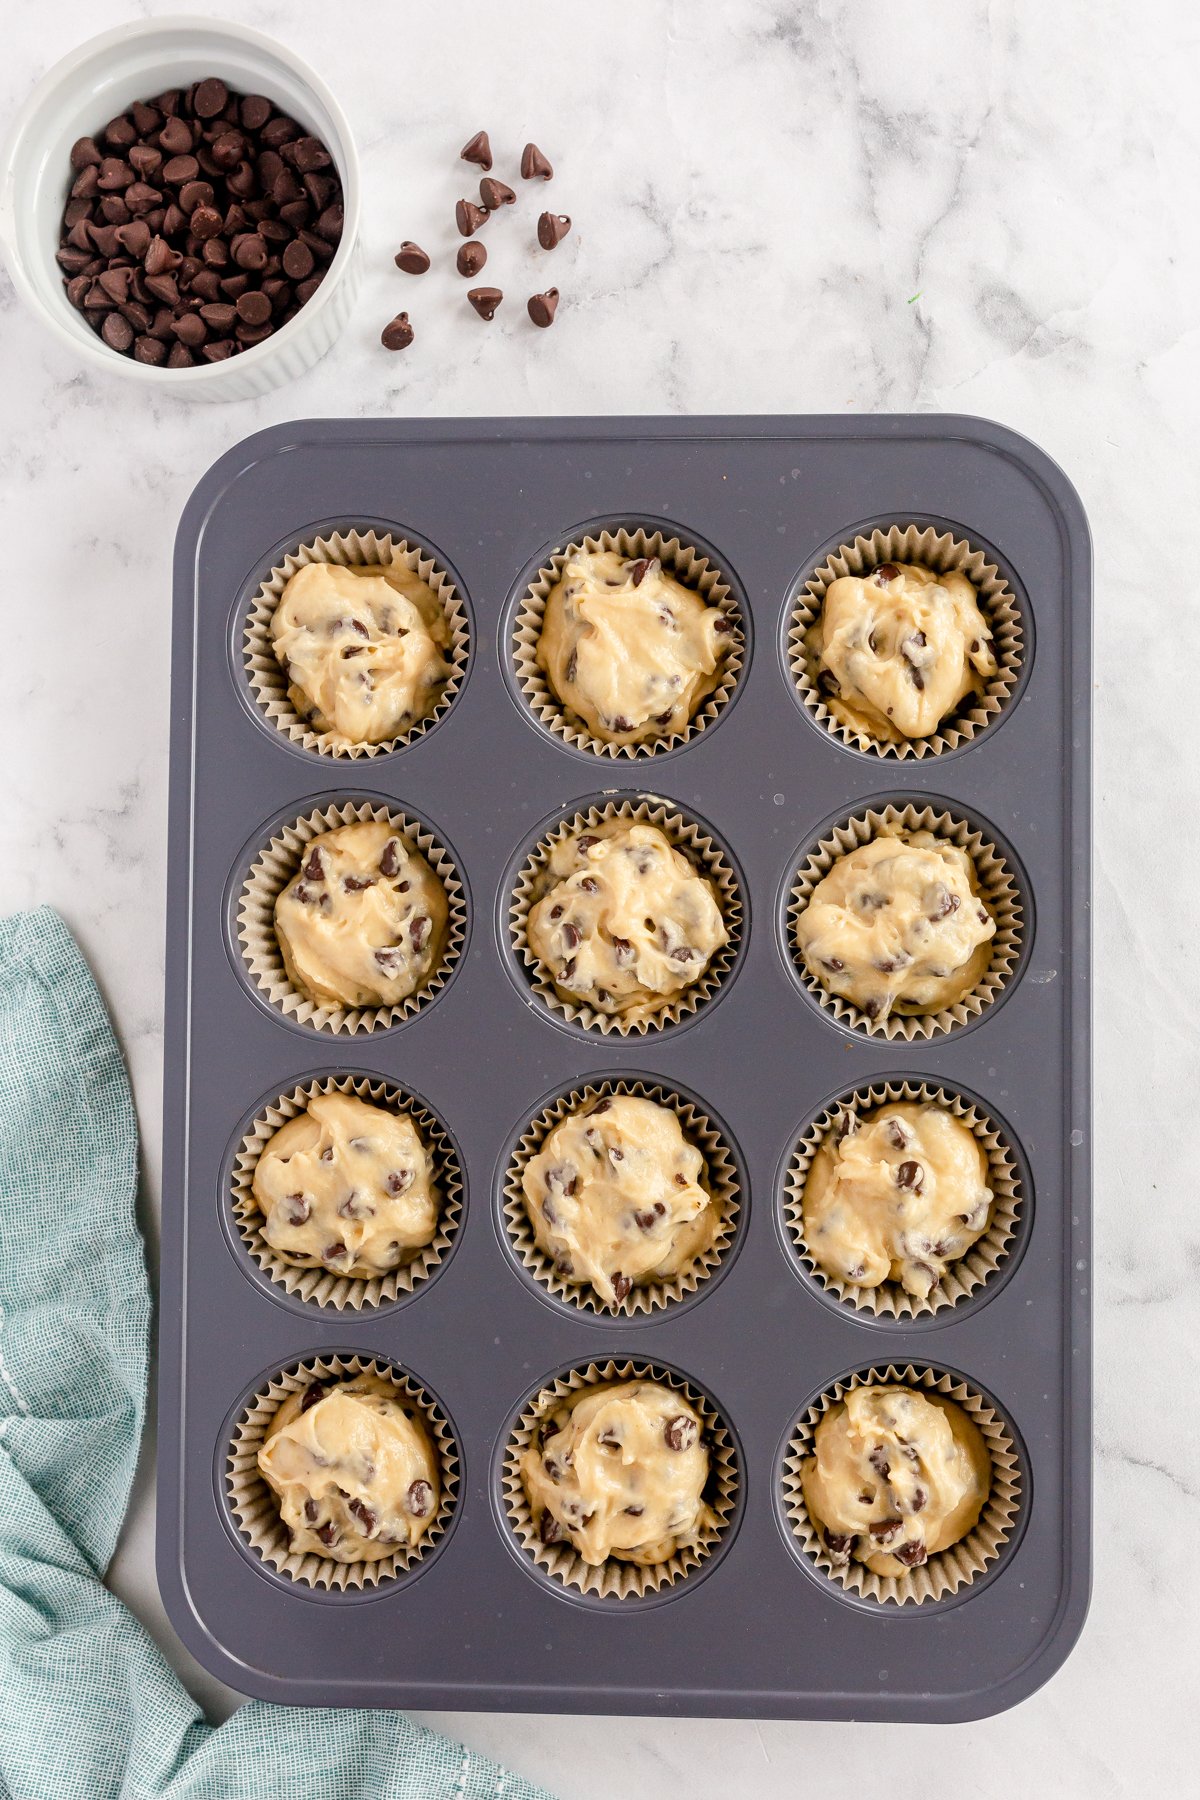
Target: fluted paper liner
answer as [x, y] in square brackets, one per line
[997, 887]
[256, 1511]
[890, 1300]
[269, 684]
[275, 866]
[944, 553]
[719, 1177]
[688, 566]
[686, 836]
[616, 1580]
[324, 1287]
[952, 1568]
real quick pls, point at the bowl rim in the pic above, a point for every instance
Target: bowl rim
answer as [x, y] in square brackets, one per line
[38, 102]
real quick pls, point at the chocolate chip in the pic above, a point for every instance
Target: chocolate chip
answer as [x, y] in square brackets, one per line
[117, 332]
[310, 1511]
[84, 153]
[883, 1530]
[645, 1221]
[362, 1512]
[190, 329]
[571, 935]
[552, 228]
[542, 307]
[896, 1134]
[419, 1499]
[911, 1554]
[333, 1253]
[114, 175]
[534, 166]
[878, 1460]
[412, 259]
[477, 150]
[872, 1008]
[920, 1500]
[886, 572]
[399, 1181]
[398, 334]
[312, 1395]
[495, 194]
[640, 568]
[299, 1209]
[621, 1286]
[910, 1175]
[180, 169]
[549, 1529]
[211, 98]
[419, 931]
[839, 1545]
[297, 260]
[946, 904]
[485, 300]
[176, 138]
[681, 1432]
[178, 356]
[119, 133]
[328, 1534]
[469, 217]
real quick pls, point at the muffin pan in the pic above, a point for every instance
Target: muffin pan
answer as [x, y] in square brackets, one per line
[760, 1627]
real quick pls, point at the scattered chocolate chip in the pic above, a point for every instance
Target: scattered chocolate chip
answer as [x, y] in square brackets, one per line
[419, 1499]
[477, 150]
[471, 258]
[469, 217]
[681, 1432]
[495, 194]
[412, 259]
[542, 307]
[534, 166]
[552, 228]
[485, 300]
[397, 335]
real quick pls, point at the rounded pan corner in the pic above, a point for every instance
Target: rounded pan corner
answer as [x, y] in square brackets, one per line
[1030, 455]
[220, 475]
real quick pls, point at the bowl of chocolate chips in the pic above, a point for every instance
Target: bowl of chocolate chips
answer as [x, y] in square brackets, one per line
[180, 205]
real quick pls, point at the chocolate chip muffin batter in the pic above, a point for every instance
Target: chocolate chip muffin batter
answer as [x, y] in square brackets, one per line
[619, 1470]
[896, 1476]
[363, 648]
[898, 925]
[894, 652]
[364, 921]
[624, 922]
[346, 1186]
[897, 1194]
[353, 1468]
[627, 648]
[616, 1198]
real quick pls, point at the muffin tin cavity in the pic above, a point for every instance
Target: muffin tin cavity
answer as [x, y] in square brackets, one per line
[250, 1508]
[688, 833]
[303, 1289]
[684, 555]
[967, 1283]
[955, 1572]
[1001, 883]
[363, 544]
[754, 1060]
[271, 860]
[723, 1177]
[934, 544]
[618, 1585]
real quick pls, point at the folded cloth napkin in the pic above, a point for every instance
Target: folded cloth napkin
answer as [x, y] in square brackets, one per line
[89, 1708]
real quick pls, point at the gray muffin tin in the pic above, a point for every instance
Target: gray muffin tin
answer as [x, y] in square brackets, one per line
[759, 1631]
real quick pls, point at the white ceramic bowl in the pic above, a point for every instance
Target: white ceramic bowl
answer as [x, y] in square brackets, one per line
[99, 80]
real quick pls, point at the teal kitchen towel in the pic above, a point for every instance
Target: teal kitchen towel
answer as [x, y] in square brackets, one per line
[89, 1708]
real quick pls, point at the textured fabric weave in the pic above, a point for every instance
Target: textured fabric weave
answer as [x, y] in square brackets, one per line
[89, 1708]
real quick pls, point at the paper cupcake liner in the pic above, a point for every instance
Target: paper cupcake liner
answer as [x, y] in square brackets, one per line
[269, 684]
[692, 841]
[323, 1287]
[679, 559]
[997, 886]
[945, 553]
[616, 1580]
[720, 1178]
[954, 1567]
[275, 866]
[890, 1301]
[254, 1507]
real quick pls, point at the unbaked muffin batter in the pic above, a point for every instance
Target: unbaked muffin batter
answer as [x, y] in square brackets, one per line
[346, 1186]
[615, 1196]
[896, 1195]
[896, 1476]
[364, 921]
[625, 921]
[894, 652]
[628, 648]
[619, 1471]
[363, 648]
[353, 1468]
[898, 926]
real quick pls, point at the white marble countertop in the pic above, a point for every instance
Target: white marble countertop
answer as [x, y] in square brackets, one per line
[782, 205]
